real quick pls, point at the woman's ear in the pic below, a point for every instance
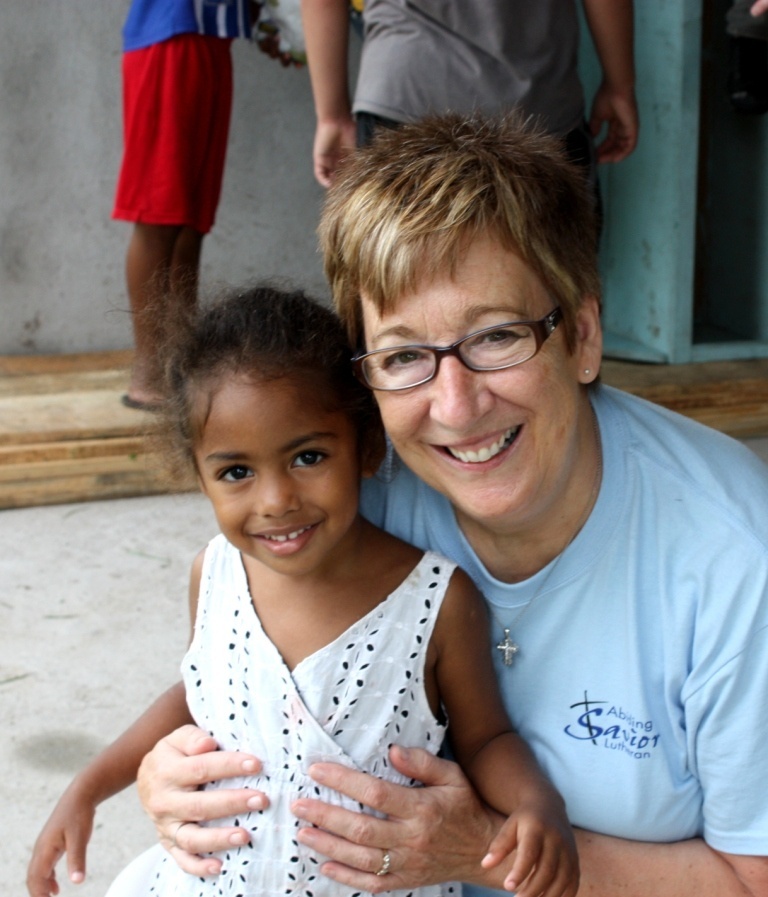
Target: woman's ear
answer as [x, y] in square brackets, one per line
[589, 340]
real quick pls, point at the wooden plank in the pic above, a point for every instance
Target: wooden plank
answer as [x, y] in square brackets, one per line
[729, 396]
[725, 374]
[81, 487]
[81, 448]
[147, 463]
[22, 365]
[115, 381]
[57, 417]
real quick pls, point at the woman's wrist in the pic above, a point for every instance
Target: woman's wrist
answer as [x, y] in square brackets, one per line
[483, 832]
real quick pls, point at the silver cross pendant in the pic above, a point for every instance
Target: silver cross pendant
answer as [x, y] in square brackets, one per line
[508, 649]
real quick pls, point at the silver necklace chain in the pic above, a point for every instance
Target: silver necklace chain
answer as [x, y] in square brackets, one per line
[509, 648]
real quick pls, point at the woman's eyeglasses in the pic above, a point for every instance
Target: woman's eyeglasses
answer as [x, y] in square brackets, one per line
[489, 349]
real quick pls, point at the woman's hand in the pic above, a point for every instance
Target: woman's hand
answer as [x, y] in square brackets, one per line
[169, 780]
[432, 834]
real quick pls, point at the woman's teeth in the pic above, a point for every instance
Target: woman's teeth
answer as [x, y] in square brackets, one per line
[289, 536]
[487, 452]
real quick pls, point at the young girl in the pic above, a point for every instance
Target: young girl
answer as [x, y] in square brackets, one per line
[316, 636]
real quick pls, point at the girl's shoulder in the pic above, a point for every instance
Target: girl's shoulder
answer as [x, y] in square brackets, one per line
[381, 550]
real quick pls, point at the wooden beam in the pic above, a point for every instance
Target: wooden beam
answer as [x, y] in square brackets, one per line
[65, 436]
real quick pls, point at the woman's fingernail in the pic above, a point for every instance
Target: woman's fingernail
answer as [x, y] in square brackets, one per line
[238, 838]
[306, 836]
[256, 802]
[317, 773]
[249, 766]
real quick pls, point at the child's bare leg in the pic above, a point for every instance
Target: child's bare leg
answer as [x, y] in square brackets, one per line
[185, 267]
[162, 265]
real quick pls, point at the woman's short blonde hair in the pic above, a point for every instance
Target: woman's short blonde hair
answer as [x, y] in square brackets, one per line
[402, 209]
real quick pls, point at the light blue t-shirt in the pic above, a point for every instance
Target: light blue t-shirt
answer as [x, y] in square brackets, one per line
[642, 678]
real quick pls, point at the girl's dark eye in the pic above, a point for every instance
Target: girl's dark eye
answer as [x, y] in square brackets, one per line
[308, 459]
[238, 472]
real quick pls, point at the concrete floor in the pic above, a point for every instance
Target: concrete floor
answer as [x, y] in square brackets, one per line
[94, 611]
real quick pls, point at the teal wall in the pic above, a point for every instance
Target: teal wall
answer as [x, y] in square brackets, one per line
[683, 252]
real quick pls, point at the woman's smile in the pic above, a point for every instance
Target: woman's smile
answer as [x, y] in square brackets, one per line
[485, 452]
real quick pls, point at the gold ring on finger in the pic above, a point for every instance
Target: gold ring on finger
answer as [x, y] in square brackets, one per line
[386, 860]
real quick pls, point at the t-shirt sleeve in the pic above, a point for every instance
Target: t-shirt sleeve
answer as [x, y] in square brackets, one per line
[727, 720]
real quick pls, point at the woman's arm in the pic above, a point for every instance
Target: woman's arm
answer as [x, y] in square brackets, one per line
[610, 866]
[326, 34]
[436, 834]
[612, 29]
[433, 834]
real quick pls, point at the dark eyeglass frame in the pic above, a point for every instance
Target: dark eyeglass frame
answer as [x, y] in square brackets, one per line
[542, 330]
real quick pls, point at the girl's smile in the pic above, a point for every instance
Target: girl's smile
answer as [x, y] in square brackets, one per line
[282, 473]
[283, 545]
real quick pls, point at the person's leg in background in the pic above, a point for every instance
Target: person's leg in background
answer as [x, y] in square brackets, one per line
[162, 269]
[178, 97]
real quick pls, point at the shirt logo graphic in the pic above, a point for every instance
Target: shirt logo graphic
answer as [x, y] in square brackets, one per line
[609, 726]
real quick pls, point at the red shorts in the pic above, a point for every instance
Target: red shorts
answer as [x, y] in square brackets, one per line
[177, 100]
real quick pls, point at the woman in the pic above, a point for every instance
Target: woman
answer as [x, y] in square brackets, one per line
[622, 549]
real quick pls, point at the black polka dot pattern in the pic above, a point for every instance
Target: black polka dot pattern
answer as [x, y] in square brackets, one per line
[346, 703]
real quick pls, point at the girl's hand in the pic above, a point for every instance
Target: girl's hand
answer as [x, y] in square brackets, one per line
[545, 858]
[169, 780]
[433, 834]
[67, 830]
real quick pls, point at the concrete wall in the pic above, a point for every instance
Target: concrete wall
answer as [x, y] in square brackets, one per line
[61, 256]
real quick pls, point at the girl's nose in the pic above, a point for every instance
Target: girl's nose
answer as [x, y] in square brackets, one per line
[276, 495]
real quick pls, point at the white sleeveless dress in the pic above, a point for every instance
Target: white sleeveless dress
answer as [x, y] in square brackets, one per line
[347, 703]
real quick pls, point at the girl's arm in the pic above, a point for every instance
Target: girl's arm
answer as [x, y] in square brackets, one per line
[612, 29]
[496, 759]
[326, 35]
[69, 826]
